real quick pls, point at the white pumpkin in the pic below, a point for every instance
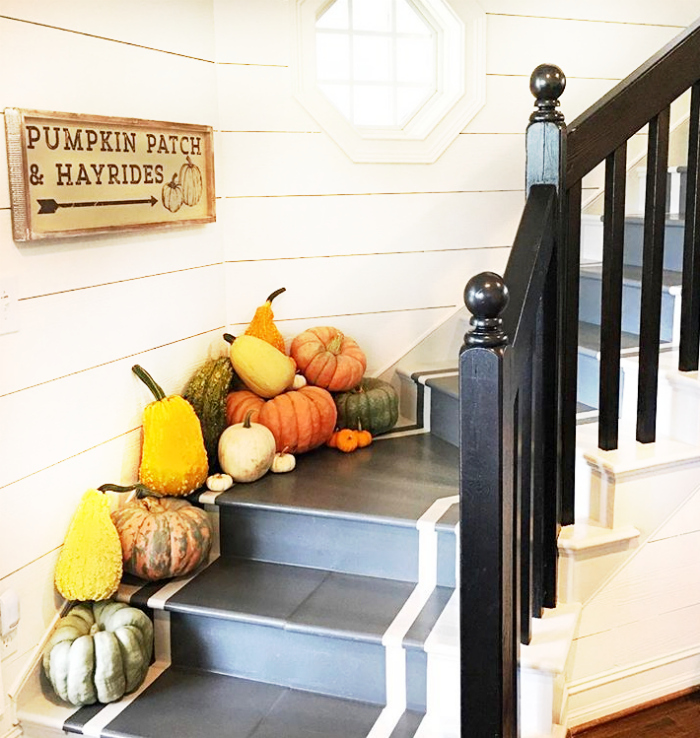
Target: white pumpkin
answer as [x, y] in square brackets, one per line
[246, 450]
[283, 462]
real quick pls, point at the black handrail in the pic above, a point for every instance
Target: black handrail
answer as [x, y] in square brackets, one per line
[518, 367]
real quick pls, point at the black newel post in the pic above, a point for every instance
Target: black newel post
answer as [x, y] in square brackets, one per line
[488, 619]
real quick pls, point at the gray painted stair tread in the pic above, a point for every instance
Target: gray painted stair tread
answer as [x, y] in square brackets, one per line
[395, 478]
[589, 338]
[301, 599]
[632, 275]
[448, 385]
[188, 703]
[672, 221]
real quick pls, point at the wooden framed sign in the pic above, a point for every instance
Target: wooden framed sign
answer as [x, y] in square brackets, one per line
[74, 175]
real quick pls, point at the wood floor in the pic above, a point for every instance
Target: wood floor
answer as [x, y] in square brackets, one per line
[678, 718]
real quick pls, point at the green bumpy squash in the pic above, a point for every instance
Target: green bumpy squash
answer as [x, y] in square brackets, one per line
[99, 652]
[372, 406]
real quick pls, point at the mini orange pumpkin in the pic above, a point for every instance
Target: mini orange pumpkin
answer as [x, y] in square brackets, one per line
[328, 358]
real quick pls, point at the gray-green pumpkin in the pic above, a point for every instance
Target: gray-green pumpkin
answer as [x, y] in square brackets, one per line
[99, 652]
[373, 405]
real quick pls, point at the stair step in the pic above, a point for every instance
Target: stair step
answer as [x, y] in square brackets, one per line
[186, 702]
[293, 626]
[673, 242]
[359, 513]
[590, 298]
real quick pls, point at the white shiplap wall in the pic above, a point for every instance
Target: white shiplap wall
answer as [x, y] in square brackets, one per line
[382, 251]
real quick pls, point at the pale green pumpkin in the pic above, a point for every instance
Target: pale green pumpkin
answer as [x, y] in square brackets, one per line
[99, 652]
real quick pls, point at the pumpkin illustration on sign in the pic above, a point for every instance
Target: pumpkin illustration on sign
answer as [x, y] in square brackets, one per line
[172, 195]
[191, 182]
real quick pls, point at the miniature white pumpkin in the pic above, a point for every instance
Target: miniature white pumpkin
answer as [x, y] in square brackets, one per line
[246, 450]
[283, 462]
[219, 482]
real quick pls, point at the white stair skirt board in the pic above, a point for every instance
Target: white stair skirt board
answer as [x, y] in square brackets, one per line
[679, 401]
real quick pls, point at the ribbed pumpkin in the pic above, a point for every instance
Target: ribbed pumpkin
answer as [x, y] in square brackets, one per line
[98, 652]
[328, 358]
[162, 537]
[173, 457]
[300, 420]
[206, 391]
[171, 195]
[372, 406]
[89, 566]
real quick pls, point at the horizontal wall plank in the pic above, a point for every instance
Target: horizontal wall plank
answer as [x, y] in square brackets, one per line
[253, 33]
[102, 78]
[516, 45]
[263, 100]
[266, 164]
[46, 267]
[85, 328]
[678, 13]
[55, 421]
[56, 492]
[661, 577]
[181, 26]
[290, 227]
[636, 643]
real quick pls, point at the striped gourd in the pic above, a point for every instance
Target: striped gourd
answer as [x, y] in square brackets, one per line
[206, 391]
[372, 406]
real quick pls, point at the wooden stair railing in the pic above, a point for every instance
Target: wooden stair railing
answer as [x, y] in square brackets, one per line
[518, 365]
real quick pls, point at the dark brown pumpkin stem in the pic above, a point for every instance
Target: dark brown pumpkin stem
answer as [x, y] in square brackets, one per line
[229, 338]
[246, 420]
[141, 490]
[148, 380]
[276, 293]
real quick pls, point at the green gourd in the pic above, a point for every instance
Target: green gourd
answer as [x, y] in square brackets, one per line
[372, 406]
[206, 391]
[99, 652]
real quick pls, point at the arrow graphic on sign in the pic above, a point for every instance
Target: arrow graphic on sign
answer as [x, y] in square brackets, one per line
[48, 207]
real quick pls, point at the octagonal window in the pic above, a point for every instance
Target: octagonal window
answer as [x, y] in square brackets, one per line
[390, 80]
[376, 60]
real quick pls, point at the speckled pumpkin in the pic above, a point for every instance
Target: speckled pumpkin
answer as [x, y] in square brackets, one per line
[328, 358]
[162, 537]
[300, 420]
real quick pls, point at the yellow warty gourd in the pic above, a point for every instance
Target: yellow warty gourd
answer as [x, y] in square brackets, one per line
[262, 326]
[90, 563]
[173, 457]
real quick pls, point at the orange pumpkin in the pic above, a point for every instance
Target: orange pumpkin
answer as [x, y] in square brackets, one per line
[329, 359]
[300, 420]
[162, 537]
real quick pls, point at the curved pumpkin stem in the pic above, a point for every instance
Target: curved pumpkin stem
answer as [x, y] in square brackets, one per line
[148, 380]
[246, 420]
[141, 490]
[276, 293]
[229, 338]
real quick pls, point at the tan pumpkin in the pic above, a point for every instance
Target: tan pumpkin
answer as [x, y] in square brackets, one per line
[162, 537]
[246, 450]
[328, 358]
[300, 420]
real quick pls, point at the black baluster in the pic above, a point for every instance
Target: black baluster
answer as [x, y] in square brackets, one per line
[488, 615]
[652, 276]
[611, 298]
[690, 305]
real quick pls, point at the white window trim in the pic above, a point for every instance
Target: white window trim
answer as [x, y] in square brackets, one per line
[461, 86]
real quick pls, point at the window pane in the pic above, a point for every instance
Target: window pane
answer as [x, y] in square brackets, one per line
[335, 16]
[372, 15]
[408, 100]
[409, 21]
[339, 95]
[373, 105]
[371, 59]
[332, 56]
[415, 60]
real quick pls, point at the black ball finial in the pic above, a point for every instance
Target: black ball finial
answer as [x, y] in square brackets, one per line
[486, 297]
[547, 84]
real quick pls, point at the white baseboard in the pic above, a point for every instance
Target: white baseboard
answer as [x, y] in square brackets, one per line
[617, 690]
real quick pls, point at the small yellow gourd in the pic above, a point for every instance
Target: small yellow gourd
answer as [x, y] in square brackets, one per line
[173, 457]
[263, 369]
[90, 563]
[263, 326]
